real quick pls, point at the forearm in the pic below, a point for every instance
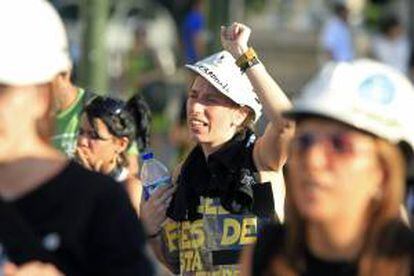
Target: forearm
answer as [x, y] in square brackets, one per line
[273, 99]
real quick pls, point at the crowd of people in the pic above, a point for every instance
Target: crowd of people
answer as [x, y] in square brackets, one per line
[321, 192]
[388, 43]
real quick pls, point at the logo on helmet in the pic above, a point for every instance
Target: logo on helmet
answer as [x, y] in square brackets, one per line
[213, 77]
[377, 89]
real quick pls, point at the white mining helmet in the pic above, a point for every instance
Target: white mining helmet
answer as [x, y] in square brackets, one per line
[364, 94]
[34, 47]
[221, 71]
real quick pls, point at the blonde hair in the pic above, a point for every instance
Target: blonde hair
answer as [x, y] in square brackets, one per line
[385, 251]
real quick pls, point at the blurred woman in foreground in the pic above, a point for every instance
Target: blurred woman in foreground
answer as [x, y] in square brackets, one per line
[346, 178]
[51, 209]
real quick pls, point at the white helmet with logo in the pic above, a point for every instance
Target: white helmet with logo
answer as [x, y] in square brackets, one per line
[364, 94]
[221, 71]
[33, 48]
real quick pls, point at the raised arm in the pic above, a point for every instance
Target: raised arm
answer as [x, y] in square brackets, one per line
[270, 152]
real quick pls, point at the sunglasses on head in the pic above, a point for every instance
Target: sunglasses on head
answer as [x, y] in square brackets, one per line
[339, 143]
[108, 105]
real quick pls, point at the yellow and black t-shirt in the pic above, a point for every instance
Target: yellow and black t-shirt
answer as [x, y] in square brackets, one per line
[219, 207]
[210, 245]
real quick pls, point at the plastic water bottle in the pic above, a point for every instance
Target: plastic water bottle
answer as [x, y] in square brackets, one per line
[154, 174]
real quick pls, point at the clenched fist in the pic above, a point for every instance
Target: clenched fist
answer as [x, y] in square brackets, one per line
[234, 38]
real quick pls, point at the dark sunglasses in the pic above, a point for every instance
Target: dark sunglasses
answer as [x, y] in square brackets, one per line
[339, 143]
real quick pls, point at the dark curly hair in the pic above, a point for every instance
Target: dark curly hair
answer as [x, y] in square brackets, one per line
[115, 116]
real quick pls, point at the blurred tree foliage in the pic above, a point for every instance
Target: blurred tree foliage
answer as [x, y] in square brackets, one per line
[255, 5]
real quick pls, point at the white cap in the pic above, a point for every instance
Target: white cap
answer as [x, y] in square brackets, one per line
[33, 48]
[364, 94]
[221, 71]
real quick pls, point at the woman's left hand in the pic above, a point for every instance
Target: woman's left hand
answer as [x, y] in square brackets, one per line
[234, 38]
[83, 158]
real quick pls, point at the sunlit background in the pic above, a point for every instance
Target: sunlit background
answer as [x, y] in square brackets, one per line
[123, 47]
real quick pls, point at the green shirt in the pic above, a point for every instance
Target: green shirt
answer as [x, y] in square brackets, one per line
[67, 128]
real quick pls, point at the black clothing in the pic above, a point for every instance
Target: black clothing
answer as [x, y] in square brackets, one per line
[269, 245]
[218, 208]
[316, 266]
[80, 221]
[398, 241]
[230, 174]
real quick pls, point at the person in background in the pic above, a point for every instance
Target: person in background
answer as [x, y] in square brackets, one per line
[193, 32]
[392, 46]
[70, 101]
[346, 178]
[55, 216]
[107, 130]
[229, 185]
[143, 64]
[336, 37]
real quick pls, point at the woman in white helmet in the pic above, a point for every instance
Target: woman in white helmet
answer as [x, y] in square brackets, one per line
[52, 210]
[231, 183]
[346, 178]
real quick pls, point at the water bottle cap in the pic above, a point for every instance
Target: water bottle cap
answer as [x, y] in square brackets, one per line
[147, 156]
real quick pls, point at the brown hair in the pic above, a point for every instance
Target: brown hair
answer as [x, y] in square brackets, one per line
[385, 251]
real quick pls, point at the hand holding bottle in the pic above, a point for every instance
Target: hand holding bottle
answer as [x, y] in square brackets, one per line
[153, 210]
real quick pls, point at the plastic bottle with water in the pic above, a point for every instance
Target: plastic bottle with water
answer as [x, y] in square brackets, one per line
[154, 174]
